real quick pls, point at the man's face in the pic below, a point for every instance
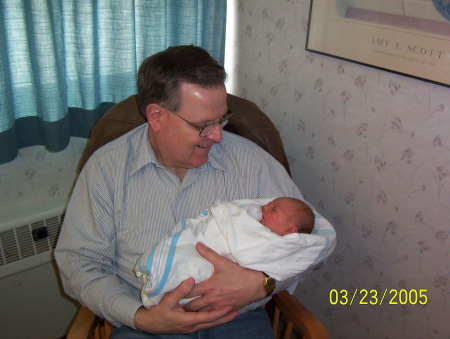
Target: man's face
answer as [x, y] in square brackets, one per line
[177, 144]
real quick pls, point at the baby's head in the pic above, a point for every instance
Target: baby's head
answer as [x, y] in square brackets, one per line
[287, 215]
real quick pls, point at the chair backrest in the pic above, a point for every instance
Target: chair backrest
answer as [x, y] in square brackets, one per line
[247, 121]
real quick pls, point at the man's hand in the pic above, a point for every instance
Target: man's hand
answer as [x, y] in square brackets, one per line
[170, 318]
[230, 284]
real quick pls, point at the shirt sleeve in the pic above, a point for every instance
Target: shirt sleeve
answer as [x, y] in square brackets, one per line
[270, 179]
[86, 250]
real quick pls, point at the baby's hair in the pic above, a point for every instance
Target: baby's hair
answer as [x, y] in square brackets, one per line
[304, 220]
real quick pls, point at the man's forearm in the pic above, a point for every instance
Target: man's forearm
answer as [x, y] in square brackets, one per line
[104, 294]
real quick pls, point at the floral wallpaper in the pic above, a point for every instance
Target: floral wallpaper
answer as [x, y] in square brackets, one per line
[371, 150]
[37, 178]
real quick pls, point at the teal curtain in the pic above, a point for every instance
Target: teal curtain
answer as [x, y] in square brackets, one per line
[64, 63]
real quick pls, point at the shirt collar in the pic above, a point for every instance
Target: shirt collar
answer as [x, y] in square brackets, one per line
[145, 155]
[215, 159]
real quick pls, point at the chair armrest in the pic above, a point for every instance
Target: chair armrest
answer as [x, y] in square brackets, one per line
[299, 315]
[83, 325]
[87, 325]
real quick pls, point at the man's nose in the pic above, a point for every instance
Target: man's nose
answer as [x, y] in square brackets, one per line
[216, 134]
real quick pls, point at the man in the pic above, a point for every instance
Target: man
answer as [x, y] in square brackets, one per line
[133, 190]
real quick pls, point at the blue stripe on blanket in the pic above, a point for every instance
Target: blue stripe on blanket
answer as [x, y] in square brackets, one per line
[183, 224]
[322, 226]
[323, 232]
[168, 265]
[319, 229]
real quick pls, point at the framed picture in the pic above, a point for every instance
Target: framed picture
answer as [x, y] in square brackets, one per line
[410, 37]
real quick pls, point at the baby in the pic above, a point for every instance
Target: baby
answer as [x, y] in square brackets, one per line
[267, 235]
[285, 215]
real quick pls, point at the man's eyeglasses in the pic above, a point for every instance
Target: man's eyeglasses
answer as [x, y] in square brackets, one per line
[208, 128]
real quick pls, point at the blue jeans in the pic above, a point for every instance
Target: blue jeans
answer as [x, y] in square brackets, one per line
[254, 324]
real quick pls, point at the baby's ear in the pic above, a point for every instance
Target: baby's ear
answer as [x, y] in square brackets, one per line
[290, 229]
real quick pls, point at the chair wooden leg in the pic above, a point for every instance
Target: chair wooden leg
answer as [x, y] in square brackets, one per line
[83, 325]
[98, 333]
[108, 329]
[296, 313]
[276, 321]
[288, 331]
[103, 330]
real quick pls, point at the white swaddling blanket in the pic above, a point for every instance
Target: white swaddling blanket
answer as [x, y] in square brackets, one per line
[231, 231]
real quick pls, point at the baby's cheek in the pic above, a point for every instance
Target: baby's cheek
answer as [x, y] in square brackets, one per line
[256, 212]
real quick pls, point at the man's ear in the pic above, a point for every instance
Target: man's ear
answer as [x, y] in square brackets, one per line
[290, 229]
[153, 113]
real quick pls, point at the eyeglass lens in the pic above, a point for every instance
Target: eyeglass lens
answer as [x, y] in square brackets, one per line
[207, 130]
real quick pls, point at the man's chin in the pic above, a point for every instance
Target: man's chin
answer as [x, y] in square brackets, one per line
[199, 161]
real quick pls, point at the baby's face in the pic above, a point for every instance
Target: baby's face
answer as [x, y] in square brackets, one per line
[276, 216]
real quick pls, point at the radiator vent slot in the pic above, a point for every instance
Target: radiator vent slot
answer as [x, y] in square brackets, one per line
[21, 243]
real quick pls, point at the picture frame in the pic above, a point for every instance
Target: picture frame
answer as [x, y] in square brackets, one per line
[409, 37]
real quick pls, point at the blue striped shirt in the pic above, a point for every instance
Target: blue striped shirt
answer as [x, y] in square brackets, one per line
[124, 202]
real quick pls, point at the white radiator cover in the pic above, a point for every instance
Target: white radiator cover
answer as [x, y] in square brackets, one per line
[19, 250]
[33, 303]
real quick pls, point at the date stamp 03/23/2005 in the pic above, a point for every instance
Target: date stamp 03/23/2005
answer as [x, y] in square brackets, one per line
[375, 297]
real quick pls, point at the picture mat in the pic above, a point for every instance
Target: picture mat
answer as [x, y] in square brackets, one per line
[413, 52]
